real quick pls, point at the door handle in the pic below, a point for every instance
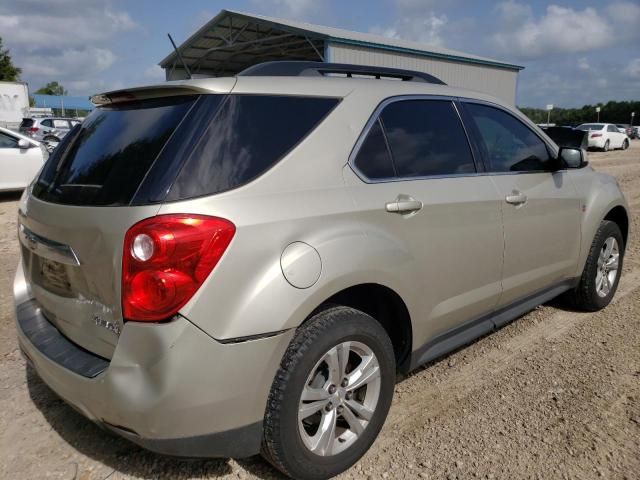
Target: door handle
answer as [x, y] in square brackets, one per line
[403, 205]
[516, 198]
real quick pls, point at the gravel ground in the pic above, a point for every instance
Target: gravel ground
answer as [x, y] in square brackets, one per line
[555, 394]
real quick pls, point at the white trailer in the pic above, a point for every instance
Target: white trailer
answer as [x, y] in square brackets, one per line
[14, 104]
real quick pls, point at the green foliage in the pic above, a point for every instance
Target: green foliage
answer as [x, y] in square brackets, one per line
[52, 88]
[610, 112]
[8, 72]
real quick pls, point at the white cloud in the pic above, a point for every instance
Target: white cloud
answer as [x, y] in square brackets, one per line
[559, 30]
[292, 9]
[68, 41]
[583, 64]
[625, 13]
[426, 28]
[154, 73]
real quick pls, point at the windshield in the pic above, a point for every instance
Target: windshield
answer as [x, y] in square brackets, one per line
[591, 126]
[103, 160]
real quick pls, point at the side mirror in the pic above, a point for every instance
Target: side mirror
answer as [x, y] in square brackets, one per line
[23, 144]
[572, 157]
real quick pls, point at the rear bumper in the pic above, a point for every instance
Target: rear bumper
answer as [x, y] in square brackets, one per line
[169, 387]
[597, 142]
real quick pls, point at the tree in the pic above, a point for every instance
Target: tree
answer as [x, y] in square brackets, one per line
[52, 88]
[8, 71]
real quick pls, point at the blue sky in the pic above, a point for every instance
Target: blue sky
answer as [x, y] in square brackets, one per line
[575, 52]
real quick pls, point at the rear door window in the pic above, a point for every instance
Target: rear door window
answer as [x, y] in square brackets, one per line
[104, 160]
[426, 138]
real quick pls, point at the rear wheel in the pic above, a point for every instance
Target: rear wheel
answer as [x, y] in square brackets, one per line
[606, 146]
[599, 280]
[625, 144]
[330, 396]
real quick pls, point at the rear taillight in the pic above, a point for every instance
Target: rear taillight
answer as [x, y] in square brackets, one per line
[594, 135]
[166, 259]
[32, 129]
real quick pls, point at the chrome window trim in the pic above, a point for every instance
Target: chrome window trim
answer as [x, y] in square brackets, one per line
[52, 250]
[376, 115]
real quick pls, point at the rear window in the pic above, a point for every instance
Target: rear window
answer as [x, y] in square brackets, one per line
[26, 123]
[103, 160]
[591, 126]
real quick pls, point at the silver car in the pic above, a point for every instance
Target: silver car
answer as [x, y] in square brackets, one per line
[50, 131]
[227, 266]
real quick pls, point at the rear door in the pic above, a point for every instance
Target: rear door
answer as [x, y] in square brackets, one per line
[418, 185]
[541, 210]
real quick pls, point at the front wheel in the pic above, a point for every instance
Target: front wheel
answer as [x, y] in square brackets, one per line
[625, 144]
[601, 275]
[330, 396]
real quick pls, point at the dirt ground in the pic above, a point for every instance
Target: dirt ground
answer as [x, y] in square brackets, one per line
[555, 394]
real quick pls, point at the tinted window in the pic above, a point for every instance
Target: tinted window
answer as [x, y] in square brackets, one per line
[26, 123]
[103, 160]
[509, 145]
[46, 123]
[591, 126]
[7, 141]
[373, 159]
[247, 136]
[426, 138]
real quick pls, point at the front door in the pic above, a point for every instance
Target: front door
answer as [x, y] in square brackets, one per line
[541, 210]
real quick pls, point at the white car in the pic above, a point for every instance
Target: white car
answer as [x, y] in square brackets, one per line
[20, 160]
[605, 136]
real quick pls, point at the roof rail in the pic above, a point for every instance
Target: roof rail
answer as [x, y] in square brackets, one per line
[290, 68]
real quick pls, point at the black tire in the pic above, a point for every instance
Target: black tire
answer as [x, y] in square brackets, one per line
[282, 443]
[585, 296]
[625, 144]
[606, 146]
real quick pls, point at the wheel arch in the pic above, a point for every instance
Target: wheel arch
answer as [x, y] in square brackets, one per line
[387, 307]
[620, 217]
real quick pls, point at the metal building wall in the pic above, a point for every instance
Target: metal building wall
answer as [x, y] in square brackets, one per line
[499, 82]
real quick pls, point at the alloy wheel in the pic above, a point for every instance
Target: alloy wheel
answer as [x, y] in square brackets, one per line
[608, 263]
[339, 398]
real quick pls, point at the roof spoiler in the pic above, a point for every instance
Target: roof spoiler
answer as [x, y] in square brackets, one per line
[321, 69]
[168, 89]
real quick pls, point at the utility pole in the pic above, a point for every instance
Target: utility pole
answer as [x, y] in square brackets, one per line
[633, 114]
[598, 112]
[549, 108]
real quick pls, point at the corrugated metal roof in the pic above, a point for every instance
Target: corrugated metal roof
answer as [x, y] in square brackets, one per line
[204, 40]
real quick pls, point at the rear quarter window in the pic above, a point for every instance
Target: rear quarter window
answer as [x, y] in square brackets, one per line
[246, 137]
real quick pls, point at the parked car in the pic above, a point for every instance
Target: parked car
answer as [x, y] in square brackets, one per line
[605, 136]
[636, 132]
[47, 130]
[275, 252]
[20, 159]
[625, 128]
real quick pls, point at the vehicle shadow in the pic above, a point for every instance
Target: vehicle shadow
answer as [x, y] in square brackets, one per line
[121, 455]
